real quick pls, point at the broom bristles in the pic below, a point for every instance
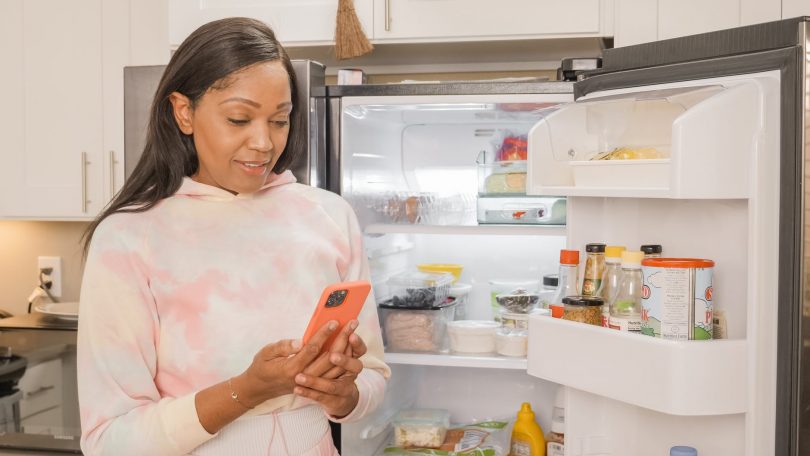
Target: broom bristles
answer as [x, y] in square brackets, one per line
[350, 40]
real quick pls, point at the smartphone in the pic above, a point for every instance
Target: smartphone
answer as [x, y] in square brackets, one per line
[340, 302]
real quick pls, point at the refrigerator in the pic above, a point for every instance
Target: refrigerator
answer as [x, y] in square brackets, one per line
[727, 116]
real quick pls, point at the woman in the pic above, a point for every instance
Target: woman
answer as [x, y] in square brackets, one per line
[209, 252]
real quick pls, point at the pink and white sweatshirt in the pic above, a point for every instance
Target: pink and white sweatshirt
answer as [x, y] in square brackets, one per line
[182, 296]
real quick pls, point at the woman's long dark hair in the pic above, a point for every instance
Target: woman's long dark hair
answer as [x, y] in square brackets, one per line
[202, 62]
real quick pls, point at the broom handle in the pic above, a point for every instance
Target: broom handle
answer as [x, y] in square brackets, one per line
[387, 15]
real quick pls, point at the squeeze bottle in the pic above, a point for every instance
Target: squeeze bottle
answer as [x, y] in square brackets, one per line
[527, 437]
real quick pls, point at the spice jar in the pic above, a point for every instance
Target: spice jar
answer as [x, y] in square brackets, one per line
[584, 309]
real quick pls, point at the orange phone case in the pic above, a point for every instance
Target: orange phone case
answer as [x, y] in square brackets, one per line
[331, 307]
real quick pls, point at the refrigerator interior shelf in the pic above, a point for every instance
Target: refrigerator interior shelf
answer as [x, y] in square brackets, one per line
[449, 360]
[530, 230]
[687, 378]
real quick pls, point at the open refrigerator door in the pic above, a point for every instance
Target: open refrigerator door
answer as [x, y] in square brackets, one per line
[683, 166]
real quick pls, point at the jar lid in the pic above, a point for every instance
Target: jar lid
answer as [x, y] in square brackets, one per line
[632, 258]
[595, 248]
[678, 263]
[651, 248]
[583, 300]
[614, 251]
[569, 256]
[551, 280]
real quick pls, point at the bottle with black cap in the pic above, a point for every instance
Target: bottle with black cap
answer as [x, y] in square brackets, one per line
[594, 268]
[652, 250]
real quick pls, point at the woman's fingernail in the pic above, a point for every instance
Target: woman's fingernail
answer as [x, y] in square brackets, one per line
[354, 325]
[300, 378]
[335, 358]
[332, 325]
[298, 391]
[296, 344]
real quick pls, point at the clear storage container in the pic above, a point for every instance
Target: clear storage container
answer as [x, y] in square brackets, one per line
[502, 178]
[415, 329]
[472, 336]
[420, 428]
[521, 210]
[419, 289]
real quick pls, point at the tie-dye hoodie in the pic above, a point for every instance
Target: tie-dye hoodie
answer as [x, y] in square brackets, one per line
[182, 296]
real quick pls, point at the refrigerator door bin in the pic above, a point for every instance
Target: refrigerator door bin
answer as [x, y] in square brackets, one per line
[673, 377]
[674, 142]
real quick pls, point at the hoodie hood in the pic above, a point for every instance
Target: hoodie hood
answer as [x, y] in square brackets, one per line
[190, 187]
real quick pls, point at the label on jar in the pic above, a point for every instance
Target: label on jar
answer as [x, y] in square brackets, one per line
[625, 324]
[555, 449]
[520, 448]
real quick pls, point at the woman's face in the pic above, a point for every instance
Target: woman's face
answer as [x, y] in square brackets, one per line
[240, 130]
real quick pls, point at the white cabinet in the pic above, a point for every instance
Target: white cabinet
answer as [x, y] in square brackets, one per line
[642, 21]
[794, 8]
[62, 122]
[440, 20]
[293, 21]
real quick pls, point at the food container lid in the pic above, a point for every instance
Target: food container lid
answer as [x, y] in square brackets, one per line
[452, 268]
[678, 263]
[614, 251]
[651, 248]
[583, 300]
[389, 304]
[422, 417]
[551, 280]
[595, 248]
[415, 279]
[473, 327]
[569, 256]
[632, 258]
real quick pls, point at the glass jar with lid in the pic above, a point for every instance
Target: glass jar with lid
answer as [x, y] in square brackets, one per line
[584, 309]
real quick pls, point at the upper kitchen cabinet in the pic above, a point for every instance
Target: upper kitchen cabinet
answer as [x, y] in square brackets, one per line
[295, 22]
[62, 122]
[454, 20]
[642, 21]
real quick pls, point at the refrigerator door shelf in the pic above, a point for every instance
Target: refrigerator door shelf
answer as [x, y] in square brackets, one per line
[527, 230]
[689, 378]
[703, 140]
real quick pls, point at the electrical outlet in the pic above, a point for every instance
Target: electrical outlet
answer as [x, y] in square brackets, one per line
[55, 263]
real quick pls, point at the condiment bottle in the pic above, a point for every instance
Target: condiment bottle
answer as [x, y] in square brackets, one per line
[567, 282]
[594, 268]
[527, 436]
[682, 451]
[556, 438]
[549, 289]
[610, 279]
[652, 250]
[625, 308]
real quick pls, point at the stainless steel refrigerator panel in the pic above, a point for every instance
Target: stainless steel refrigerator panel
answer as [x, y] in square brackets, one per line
[803, 425]
[310, 79]
[140, 84]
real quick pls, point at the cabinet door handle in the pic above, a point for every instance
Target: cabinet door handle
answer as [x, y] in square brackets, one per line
[39, 391]
[84, 182]
[387, 15]
[113, 162]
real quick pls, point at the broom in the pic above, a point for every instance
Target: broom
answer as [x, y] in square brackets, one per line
[350, 41]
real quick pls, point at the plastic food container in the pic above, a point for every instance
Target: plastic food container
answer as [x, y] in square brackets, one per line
[454, 269]
[419, 289]
[420, 428]
[521, 210]
[472, 336]
[518, 301]
[515, 320]
[415, 329]
[461, 292]
[584, 309]
[502, 177]
[512, 342]
[502, 286]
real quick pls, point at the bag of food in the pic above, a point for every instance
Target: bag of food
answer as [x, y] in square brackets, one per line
[486, 438]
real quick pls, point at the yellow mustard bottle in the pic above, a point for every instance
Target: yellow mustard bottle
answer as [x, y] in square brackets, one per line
[527, 436]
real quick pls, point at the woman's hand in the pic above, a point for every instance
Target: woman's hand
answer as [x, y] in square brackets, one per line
[338, 396]
[347, 343]
[275, 366]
